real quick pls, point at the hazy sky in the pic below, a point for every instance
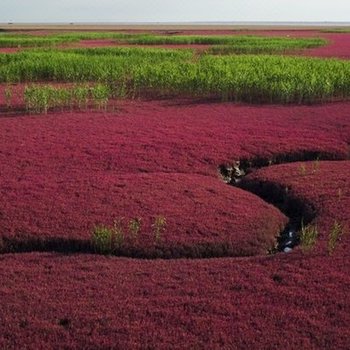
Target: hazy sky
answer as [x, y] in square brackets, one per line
[173, 10]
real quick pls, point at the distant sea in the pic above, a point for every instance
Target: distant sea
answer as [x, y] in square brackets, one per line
[316, 24]
[294, 24]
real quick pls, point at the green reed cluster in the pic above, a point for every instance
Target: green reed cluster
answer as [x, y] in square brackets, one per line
[138, 72]
[41, 98]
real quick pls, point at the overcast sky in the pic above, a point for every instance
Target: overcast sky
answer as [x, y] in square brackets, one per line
[173, 10]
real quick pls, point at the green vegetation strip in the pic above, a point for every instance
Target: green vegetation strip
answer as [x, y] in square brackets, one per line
[340, 30]
[136, 71]
[39, 99]
[26, 40]
[225, 44]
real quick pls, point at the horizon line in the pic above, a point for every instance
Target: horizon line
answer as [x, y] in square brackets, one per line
[183, 22]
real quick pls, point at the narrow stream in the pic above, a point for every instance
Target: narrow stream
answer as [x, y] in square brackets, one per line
[299, 211]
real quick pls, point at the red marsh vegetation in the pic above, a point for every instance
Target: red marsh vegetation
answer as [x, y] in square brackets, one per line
[65, 173]
[89, 301]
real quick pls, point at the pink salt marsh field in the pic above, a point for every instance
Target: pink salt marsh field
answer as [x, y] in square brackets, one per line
[63, 173]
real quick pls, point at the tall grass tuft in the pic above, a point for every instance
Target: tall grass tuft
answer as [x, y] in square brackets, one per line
[308, 237]
[100, 95]
[41, 98]
[159, 227]
[335, 235]
[102, 239]
[123, 235]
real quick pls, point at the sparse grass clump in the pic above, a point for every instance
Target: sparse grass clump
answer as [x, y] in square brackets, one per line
[100, 95]
[159, 226]
[309, 234]
[135, 227]
[308, 237]
[82, 96]
[41, 98]
[124, 234]
[38, 99]
[335, 235]
[108, 240]
[102, 239]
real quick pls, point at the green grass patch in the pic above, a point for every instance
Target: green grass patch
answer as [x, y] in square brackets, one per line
[31, 41]
[125, 234]
[308, 237]
[138, 71]
[41, 98]
[336, 30]
[28, 40]
[234, 43]
[226, 44]
[335, 235]
[224, 40]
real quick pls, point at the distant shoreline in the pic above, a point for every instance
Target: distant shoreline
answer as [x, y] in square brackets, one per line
[177, 26]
